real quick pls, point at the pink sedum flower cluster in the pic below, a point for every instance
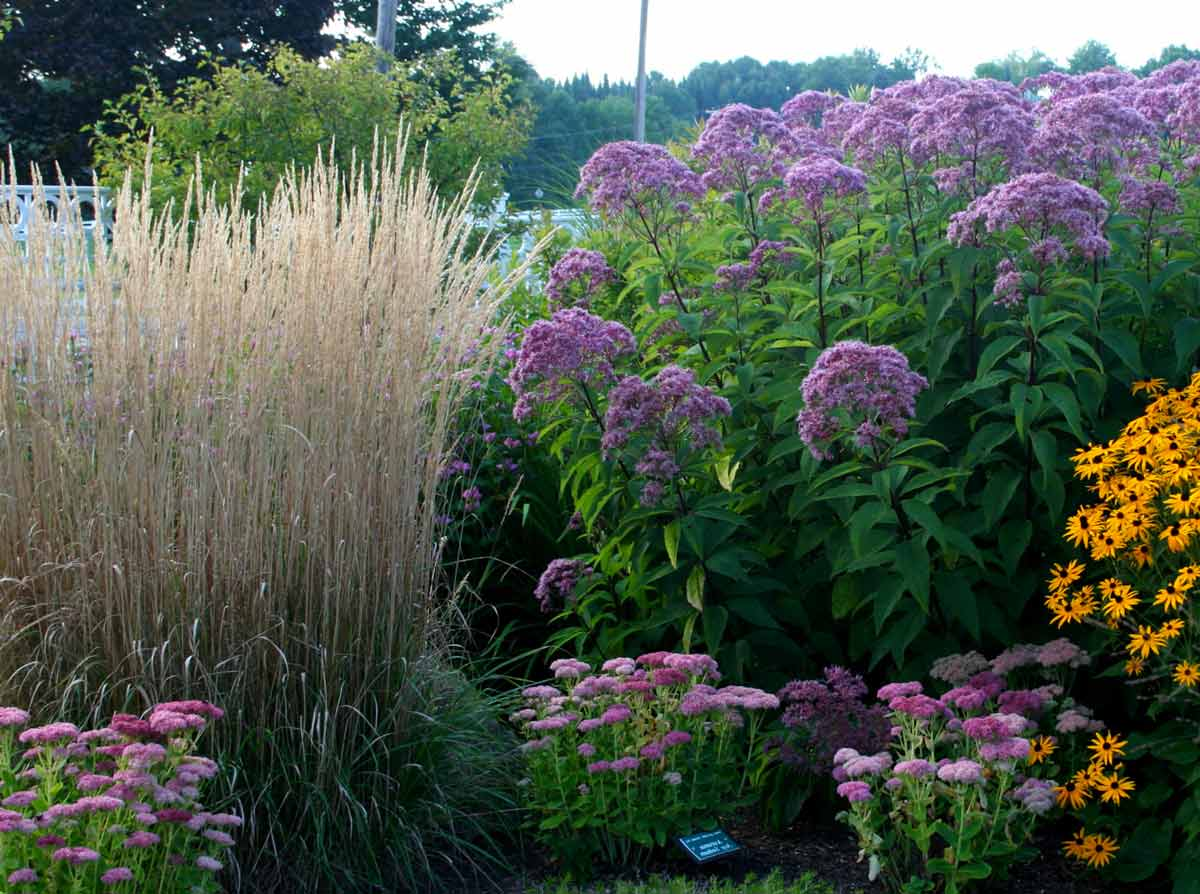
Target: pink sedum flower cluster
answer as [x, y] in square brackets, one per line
[93, 797]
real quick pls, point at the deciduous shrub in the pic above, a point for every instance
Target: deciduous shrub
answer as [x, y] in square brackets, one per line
[861, 340]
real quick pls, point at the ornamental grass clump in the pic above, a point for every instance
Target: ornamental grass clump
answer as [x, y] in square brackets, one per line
[962, 779]
[237, 499]
[115, 808]
[622, 760]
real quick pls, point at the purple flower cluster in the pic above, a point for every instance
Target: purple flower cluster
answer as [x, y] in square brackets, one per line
[1035, 795]
[671, 409]
[556, 587]
[741, 147]
[572, 350]
[813, 181]
[579, 274]
[738, 277]
[805, 109]
[641, 178]
[981, 121]
[1040, 205]
[852, 385]
[822, 715]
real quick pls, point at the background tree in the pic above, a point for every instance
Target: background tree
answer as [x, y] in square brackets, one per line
[1174, 53]
[430, 26]
[64, 58]
[1092, 56]
[253, 123]
[1015, 67]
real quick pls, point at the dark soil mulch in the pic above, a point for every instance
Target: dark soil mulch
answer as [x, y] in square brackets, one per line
[830, 853]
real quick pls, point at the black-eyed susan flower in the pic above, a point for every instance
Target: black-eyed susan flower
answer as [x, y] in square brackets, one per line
[1135, 667]
[1040, 748]
[1083, 526]
[1145, 642]
[1176, 536]
[1106, 747]
[1073, 846]
[1098, 850]
[1170, 598]
[1142, 555]
[1170, 629]
[1186, 674]
[1063, 576]
[1120, 602]
[1113, 788]
[1072, 793]
[1151, 387]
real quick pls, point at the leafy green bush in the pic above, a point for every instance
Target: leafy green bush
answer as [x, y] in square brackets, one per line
[247, 127]
[1025, 301]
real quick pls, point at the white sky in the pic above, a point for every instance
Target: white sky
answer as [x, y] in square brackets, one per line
[562, 38]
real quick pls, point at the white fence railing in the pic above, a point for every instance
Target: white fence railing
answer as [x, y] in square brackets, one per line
[92, 205]
[514, 249]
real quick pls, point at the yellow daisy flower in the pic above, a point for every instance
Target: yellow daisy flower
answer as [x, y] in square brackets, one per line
[1040, 748]
[1115, 787]
[1186, 674]
[1105, 747]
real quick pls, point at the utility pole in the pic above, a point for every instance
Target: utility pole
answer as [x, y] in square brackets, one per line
[639, 112]
[385, 33]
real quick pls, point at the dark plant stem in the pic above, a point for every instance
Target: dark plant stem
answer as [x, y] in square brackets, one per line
[821, 285]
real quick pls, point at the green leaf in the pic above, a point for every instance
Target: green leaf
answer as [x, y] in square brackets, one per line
[715, 620]
[1187, 342]
[985, 441]
[695, 588]
[1020, 405]
[912, 558]
[1045, 447]
[752, 609]
[845, 596]
[1015, 535]
[991, 380]
[995, 352]
[671, 542]
[689, 627]
[885, 598]
[1064, 399]
[958, 602]
[923, 514]
[1125, 346]
[998, 493]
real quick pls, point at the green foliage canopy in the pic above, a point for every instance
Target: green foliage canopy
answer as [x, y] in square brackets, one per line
[242, 122]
